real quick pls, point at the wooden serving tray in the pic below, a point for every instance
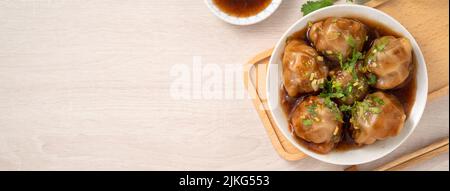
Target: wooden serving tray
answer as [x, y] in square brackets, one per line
[255, 72]
[254, 81]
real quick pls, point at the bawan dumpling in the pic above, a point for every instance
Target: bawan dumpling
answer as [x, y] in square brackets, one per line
[389, 59]
[304, 70]
[337, 37]
[379, 116]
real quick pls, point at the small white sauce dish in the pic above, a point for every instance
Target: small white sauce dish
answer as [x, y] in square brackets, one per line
[269, 10]
[366, 153]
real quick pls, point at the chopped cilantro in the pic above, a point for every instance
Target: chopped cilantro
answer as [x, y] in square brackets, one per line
[381, 44]
[372, 79]
[378, 100]
[350, 65]
[351, 41]
[374, 110]
[372, 57]
[336, 85]
[307, 122]
[345, 108]
[349, 89]
[328, 102]
[331, 105]
[341, 60]
[312, 109]
[337, 95]
[370, 105]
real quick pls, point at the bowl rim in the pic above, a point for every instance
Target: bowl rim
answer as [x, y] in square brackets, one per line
[422, 93]
[261, 16]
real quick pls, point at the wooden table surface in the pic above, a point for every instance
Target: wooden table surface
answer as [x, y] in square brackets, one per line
[85, 85]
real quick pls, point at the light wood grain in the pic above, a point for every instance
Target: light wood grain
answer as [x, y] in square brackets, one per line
[416, 156]
[419, 159]
[413, 158]
[375, 3]
[437, 93]
[84, 85]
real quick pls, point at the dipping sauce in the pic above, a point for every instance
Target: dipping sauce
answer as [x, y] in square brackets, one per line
[242, 8]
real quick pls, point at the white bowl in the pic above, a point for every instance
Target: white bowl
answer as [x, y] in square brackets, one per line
[244, 20]
[369, 152]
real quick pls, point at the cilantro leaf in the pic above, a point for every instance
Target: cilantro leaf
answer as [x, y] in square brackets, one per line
[337, 95]
[381, 44]
[311, 6]
[312, 109]
[378, 100]
[349, 89]
[375, 110]
[351, 41]
[372, 79]
[341, 60]
[345, 108]
[307, 122]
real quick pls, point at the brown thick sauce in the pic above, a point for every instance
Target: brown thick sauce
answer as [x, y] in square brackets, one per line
[405, 92]
[242, 8]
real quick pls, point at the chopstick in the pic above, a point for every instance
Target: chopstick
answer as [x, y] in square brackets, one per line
[416, 157]
[413, 158]
[416, 160]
